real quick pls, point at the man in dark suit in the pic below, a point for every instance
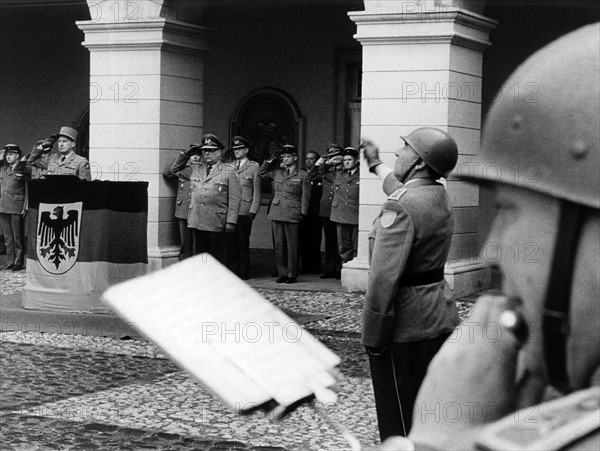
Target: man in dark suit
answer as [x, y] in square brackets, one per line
[215, 199]
[289, 207]
[406, 317]
[238, 245]
[310, 230]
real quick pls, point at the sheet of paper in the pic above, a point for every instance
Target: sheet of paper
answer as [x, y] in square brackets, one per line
[244, 349]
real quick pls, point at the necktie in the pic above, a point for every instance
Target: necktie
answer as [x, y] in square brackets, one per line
[208, 169]
[239, 163]
[62, 159]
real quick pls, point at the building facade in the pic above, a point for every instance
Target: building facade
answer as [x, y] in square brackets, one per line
[143, 79]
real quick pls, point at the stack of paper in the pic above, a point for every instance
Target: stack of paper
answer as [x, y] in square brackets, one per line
[215, 326]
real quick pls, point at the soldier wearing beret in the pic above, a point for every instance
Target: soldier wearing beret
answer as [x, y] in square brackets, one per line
[66, 161]
[344, 208]
[406, 317]
[289, 207]
[216, 195]
[182, 203]
[12, 201]
[325, 171]
[246, 170]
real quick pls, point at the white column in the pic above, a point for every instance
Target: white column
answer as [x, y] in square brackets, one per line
[422, 66]
[146, 104]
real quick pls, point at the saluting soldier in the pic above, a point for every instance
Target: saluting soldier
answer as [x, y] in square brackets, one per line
[547, 323]
[45, 146]
[246, 170]
[289, 207]
[406, 316]
[344, 208]
[182, 203]
[66, 161]
[12, 200]
[215, 198]
[325, 170]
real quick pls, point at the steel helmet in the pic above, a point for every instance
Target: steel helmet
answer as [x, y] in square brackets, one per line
[435, 147]
[546, 138]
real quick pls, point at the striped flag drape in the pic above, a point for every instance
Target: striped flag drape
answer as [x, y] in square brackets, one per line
[83, 237]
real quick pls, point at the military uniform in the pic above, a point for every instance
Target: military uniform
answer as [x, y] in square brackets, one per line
[406, 312]
[333, 262]
[239, 245]
[182, 207]
[71, 164]
[215, 201]
[344, 212]
[291, 198]
[12, 200]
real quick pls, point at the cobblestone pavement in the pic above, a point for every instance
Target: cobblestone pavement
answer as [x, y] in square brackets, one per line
[74, 392]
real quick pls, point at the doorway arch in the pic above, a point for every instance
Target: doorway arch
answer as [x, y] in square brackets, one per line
[268, 118]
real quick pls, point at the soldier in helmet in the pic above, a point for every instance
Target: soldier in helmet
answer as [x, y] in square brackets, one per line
[544, 357]
[406, 316]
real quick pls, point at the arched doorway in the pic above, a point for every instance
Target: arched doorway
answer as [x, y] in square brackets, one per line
[268, 118]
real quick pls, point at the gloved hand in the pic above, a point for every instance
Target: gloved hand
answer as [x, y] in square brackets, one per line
[251, 216]
[334, 161]
[52, 139]
[371, 153]
[483, 370]
[229, 228]
[36, 152]
[276, 154]
[194, 149]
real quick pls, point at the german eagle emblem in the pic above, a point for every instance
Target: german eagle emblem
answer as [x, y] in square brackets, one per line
[58, 236]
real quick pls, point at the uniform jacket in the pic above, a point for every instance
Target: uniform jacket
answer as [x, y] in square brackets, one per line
[215, 198]
[12, 189]
[291, 193]
[327, 176]
[73, 165]
[184, 189]
[344, 208]
[250, 181]
[411, 236]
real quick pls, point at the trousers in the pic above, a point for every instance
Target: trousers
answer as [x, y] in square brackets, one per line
[397, 375]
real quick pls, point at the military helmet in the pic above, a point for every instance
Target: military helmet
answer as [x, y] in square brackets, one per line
[435, 147]
[546, 138]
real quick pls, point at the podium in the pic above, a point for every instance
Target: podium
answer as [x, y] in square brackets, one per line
[82, 237]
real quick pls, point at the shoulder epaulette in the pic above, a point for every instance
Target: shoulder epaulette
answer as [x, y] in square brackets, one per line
[552, 425]
[396, 195]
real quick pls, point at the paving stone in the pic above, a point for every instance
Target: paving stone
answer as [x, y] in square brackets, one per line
[92, 392]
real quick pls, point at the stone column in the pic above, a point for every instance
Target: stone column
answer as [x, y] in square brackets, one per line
[422, 64]
[146, 103]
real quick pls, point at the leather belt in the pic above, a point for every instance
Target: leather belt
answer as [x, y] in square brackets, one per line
[422, 278]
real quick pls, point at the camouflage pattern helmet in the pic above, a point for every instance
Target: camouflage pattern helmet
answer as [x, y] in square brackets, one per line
[546, 139]
[435, 147]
